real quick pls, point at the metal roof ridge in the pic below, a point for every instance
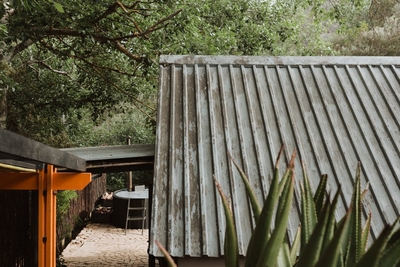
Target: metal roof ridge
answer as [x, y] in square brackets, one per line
[277, 60]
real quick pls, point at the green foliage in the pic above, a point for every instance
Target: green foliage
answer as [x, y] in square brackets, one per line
[64, 200]
[324, 242]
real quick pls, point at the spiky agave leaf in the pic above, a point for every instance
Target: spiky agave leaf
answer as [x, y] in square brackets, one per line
[331, 226]
[391, 255]
[295, 245]
[308, 216]
[371, 257]
[320, 193]
[284, 259]
[261, 233]
[250, 194]
[331, 256]
[355, 252]
[231, 247]
[270, 252]
[311, 253]
[365, 233]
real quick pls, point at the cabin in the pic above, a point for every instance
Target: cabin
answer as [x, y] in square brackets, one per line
[335, 112]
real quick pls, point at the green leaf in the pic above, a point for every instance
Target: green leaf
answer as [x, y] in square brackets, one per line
[253, 200]
[308, 214]
[311, 252]
[365, 234]
[261, 233]
[371, 257]
[356, 252]
[331, 257]
[331, 225]
[269, 256]
[59, 7]
[231, 247]
[320, 193]
[284, 259]
[391, 256]
[295, 245]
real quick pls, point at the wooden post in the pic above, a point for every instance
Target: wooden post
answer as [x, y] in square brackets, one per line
[47, 181]
[41, 184]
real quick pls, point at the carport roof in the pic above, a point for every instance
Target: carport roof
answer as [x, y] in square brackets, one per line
[17, 150]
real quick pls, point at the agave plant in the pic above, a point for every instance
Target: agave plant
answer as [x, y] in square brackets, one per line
[320, 239]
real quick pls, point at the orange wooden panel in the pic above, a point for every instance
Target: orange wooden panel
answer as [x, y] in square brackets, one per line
[41, 219]
[19, 180]
[71, 181]
[50, 244]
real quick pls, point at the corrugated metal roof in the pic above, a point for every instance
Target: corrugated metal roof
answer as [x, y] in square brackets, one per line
[334, 111]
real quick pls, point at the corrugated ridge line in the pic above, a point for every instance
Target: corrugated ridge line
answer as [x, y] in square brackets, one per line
[354, 134]
[161, 171]
[175, 200]
[384, 108]
[187, 177]
[368, 134]
[265, 150]
[192, 210]
[238, 194]
[330, 139]
[231, 141]
[307, 153]
[219, 159]
[336, 117]
[293, 140]
[383, 158]
[259, 175]
[207, 195]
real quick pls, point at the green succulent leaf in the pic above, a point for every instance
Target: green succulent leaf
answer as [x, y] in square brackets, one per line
[356, 252]
[250, 193]
[391, 256]
[331, 256]
[330, 228]
[365, 234]
[320, 193]
[308, 212]
[295, 245]
[311, 252]
[284, 259]
[231, 246]
[270, 253]
[371, 257]
[262, 230]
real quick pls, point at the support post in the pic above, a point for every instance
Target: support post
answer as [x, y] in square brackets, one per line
[41, 218]
[47, 181]
[50, 218]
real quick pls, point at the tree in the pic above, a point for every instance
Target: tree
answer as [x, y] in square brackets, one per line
[80, 54]
[64, 59]
[375, 32]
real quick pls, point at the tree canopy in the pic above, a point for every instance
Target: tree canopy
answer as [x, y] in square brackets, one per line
[68, 67]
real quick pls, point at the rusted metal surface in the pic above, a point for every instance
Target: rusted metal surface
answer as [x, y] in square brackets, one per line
[334, 111]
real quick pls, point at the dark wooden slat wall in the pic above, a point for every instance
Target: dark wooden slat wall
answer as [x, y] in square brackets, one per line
[18, 222]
